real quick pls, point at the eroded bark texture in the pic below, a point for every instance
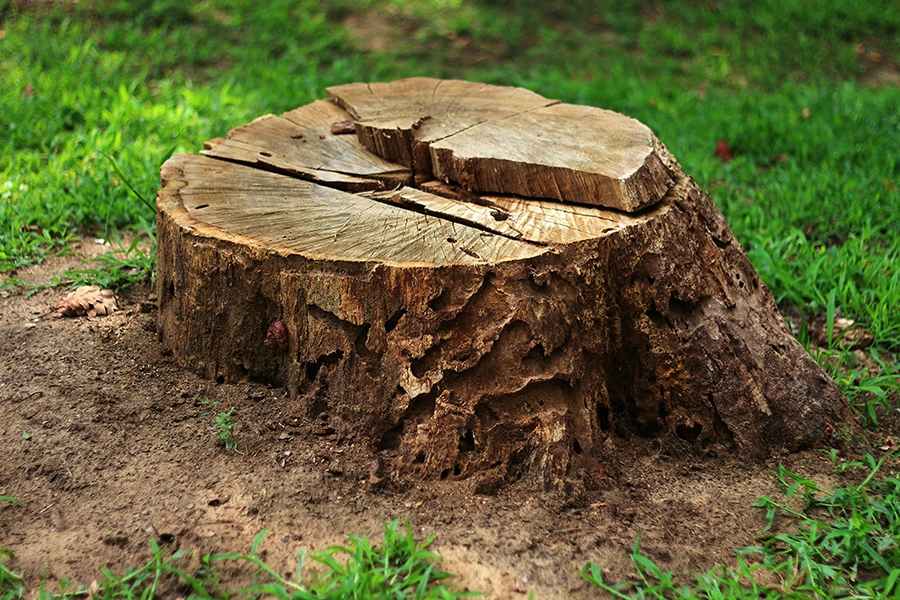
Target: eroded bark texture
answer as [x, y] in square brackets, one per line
[466, 334]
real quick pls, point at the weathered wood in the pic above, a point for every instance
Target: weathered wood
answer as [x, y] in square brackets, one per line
[511, 141]
[565, 152]
[398, 120]
[465, 334]
[301, 143]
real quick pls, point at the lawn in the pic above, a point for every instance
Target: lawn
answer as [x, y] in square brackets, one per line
[802, 99]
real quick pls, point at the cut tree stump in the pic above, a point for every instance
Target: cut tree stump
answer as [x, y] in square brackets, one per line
[479, 282]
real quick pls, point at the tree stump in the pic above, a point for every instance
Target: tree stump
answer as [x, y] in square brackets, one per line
[479, 281]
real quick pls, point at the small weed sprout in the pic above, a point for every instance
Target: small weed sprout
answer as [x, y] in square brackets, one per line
[224, 428]
[223, 425]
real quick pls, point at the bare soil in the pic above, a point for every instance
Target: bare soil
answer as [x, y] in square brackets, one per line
[120, 450]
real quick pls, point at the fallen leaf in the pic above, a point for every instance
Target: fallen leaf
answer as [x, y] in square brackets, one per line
[87, 300]
[846, 333]
[723, 151]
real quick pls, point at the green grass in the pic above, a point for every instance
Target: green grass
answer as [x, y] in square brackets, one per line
[399, 568]
[841, 544]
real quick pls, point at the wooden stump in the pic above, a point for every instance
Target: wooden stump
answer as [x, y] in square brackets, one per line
[478, 280]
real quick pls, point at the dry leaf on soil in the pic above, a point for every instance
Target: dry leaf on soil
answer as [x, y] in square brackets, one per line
[87, 300]
[845, 333]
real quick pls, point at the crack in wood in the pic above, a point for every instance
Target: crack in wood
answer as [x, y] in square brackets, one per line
[396, 198]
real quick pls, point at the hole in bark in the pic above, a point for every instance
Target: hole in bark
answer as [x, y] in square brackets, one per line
[576, 447]
[603, 416]
[419, 410]
[722, 431]
[655, 316]
[651, 280]
[467, 441]
[689, 433]
[485, 415]
[451, 240]
[440, 302]
[420, 367]
[542, 287]
[422, 406]
[360, 343]
[391, 323]
[265, 154]
[536, 353]
[499, 215]
[201, 206]
[457, 470]
[400, 391]
[169, 290]
[445, 473]
[420, 457]
[391, 439]
[220, 379]
[326, 360]
[662, 412]
[680, 306]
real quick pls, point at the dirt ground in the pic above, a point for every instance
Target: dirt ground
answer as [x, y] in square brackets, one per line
[120, 450]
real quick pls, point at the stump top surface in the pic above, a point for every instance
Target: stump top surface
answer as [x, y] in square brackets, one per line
[510, 174]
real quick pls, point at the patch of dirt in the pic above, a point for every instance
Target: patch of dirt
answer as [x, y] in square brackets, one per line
[882, 75]
[120, 450]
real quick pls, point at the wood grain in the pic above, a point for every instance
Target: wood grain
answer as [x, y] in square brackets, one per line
[511, 141]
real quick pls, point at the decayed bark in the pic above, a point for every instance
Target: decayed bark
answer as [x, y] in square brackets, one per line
[464, 333]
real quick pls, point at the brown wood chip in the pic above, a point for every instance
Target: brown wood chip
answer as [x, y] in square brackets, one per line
[343, 127]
